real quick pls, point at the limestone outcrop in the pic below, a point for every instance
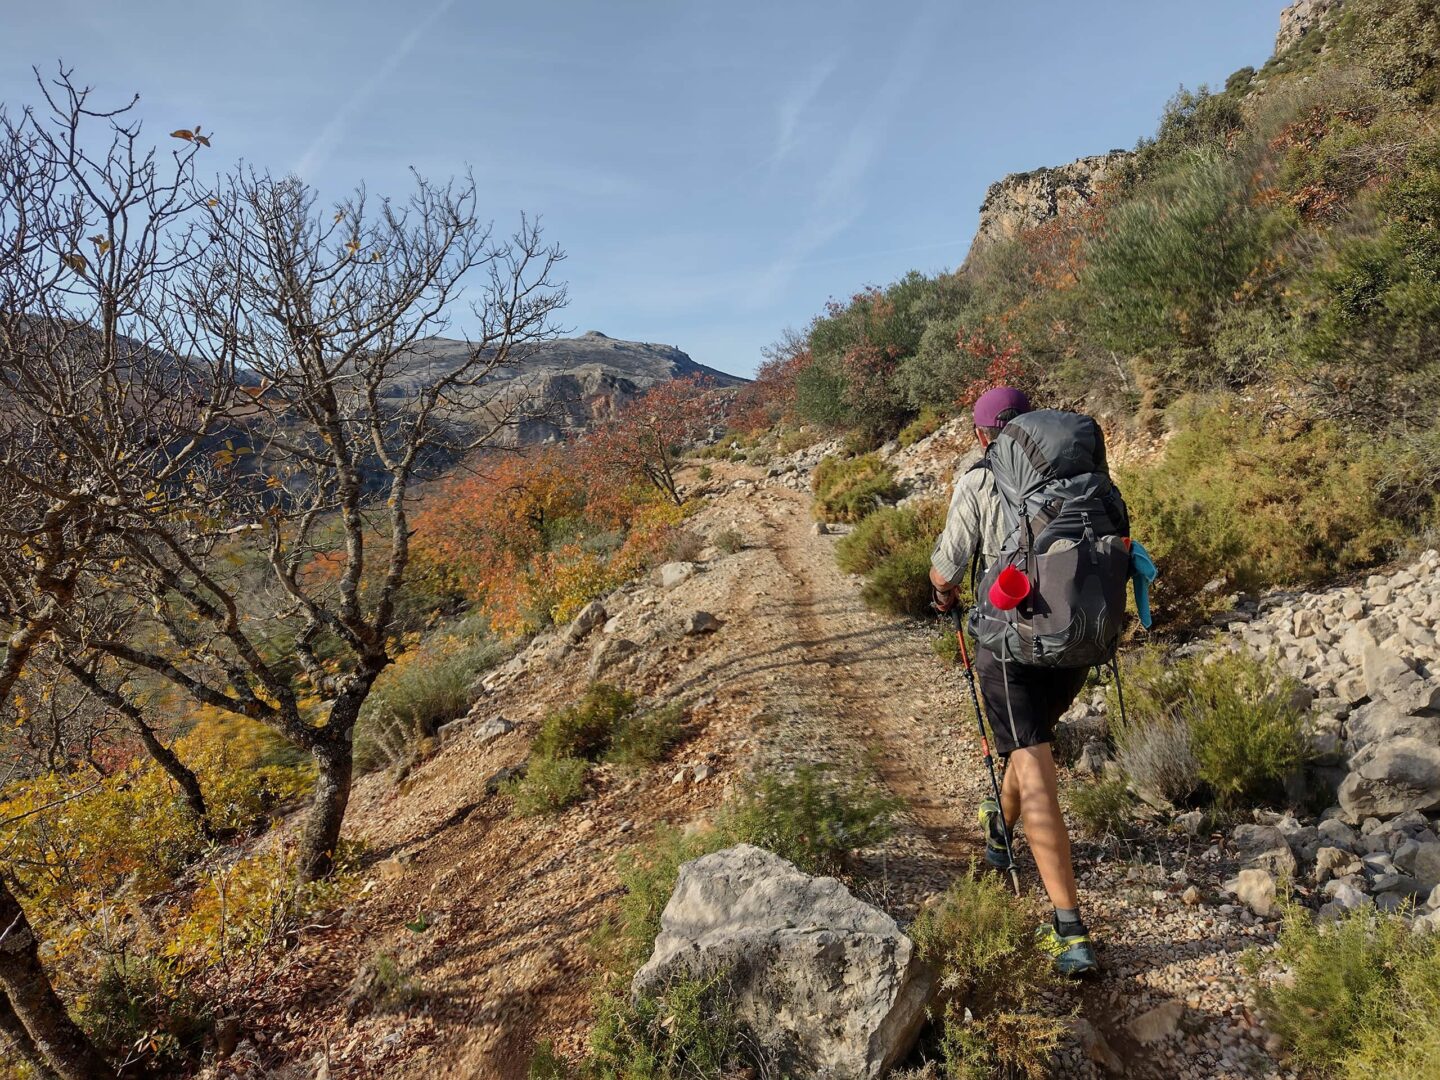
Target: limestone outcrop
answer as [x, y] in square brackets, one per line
[1300, 18]
[1024, 200]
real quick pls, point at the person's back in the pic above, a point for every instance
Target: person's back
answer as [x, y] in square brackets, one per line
[987, 525]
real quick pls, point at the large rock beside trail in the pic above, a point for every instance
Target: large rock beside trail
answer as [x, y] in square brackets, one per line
[825, 984]
[1380, 721]
[591, 615]
[1390, 777]
[1263, 847]
[675, 573]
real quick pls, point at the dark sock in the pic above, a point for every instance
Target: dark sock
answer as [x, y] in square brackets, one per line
[1067, 922]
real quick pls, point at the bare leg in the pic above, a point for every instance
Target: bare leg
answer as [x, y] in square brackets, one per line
[1031, 789]
[1010, 798]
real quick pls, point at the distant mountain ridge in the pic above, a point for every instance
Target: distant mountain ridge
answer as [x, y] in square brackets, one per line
[566, 385]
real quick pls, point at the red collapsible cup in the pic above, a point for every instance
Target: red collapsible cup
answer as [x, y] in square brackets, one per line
[1011, 586]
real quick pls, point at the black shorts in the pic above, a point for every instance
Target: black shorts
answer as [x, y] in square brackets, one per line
[1022, 703]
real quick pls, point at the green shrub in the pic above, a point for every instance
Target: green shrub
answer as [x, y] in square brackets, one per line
[993, 981]
[587, 728]
[859, 442]
[1371, 304]
[1194, 122]
[385, 987]
[1361, 999]
[892, 548]
[642, 738]
[901, 584]
[820, 391]
[549, 785]
[850, 489]
[685, 546]
[690, 1030]
[1250, 504]
[794, 439]
[888, 532]
[946, 647]
[547, 1064]
[704, 473]
[1399, 41]
[1158, 758]
[146, 1002]
[1152, 742]
[1169, 257]
[421, 691]
[1245, 733]
[812, 819]
[926, 424]
[1102, 807]
[1227, 724]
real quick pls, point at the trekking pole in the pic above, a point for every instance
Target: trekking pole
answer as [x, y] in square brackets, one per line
[1119, 690]
[958, 622]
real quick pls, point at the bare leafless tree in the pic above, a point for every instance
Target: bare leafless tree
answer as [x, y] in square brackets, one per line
[263, 390]
[86, 235]
[328, 309]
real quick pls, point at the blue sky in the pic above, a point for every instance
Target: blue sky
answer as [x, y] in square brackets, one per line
[715, 170]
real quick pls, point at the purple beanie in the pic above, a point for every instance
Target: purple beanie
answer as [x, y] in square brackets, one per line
[992, 403]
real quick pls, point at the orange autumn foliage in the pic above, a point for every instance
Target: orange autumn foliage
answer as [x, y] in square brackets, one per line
[531, 538]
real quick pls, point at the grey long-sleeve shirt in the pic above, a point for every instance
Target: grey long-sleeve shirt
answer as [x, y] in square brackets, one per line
[974, 519]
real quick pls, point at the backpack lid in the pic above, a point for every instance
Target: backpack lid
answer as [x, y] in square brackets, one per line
[1038, 450]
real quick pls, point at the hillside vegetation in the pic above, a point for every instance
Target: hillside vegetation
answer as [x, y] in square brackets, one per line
[1261, 281]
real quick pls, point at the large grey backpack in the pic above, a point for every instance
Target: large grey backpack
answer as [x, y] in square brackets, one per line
[1067, 531]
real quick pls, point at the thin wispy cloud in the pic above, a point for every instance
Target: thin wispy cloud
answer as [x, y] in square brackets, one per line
[318, 152]
[839, 197]
[793, 107]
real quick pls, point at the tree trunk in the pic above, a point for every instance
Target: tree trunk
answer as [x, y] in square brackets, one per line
[20, 1044]
[183, 776]
[336, 763]
[70, 1053]
[176, 769]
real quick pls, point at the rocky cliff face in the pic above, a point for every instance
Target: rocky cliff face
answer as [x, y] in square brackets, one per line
[1302, 17]
[1024, 200]
[564, 386]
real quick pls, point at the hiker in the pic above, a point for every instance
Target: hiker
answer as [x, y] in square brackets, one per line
[1039, 501]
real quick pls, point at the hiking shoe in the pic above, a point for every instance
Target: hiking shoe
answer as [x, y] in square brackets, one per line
[1073, 954]
[995, 853]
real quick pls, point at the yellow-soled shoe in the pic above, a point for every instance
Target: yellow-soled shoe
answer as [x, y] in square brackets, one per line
[1073, 954]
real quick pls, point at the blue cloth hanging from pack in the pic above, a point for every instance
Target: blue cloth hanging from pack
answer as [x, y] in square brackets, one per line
[1142, 573]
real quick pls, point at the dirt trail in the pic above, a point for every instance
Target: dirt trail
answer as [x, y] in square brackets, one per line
[800, 670]
[878, 683]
